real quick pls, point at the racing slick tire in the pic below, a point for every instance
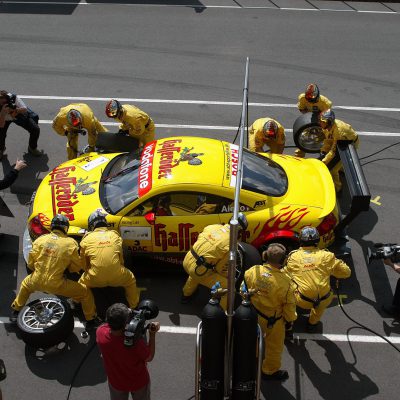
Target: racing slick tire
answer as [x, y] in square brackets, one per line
[307, 134]
[107, 142]
[45, 322]
[248, 256]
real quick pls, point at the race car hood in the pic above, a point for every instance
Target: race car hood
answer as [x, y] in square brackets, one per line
[309, 183]
[72, 188]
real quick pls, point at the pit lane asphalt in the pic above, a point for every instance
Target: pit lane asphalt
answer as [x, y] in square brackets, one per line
[187, 53]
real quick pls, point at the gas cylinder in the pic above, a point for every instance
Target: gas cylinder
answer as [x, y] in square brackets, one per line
[213, 337]
[244, 368]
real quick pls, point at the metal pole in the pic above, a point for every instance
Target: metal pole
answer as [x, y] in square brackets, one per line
[234, 227]
[197, 363]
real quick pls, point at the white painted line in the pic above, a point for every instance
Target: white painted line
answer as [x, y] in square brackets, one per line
[206, 102]
[233, 129]
[197, 6]
[186, 330]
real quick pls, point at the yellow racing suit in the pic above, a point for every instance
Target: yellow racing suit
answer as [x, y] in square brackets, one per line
[273, 298]
[137, 123]
[311, 269]
[90, 123]
[339, 131]
[103, 263]
[50, 256]
[213, 245]
[257, 139]
[305, 106]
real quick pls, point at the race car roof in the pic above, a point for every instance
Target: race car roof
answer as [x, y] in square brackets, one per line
[180, 160]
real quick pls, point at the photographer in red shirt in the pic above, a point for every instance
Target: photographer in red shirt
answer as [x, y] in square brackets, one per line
[126, 367]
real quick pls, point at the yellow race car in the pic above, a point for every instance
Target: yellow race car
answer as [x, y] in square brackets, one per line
[160, 200]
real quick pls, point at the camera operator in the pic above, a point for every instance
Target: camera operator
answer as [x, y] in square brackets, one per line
[13, 109]
[393, 309]
[125, 367]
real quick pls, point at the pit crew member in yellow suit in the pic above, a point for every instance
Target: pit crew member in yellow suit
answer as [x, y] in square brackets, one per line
[207, 261]
[311, 101]
[267, 131]
[102, 259]
[50, 256]
[133, 120]
[311, 269]
[76, 119]
[335, 130]
[272, 295]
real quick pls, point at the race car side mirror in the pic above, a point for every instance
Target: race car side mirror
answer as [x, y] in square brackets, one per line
[150, 217]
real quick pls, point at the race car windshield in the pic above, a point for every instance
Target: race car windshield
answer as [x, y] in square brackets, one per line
[262, 175]
[119, 184]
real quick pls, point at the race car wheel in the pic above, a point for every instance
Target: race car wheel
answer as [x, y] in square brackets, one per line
[248, 256]
[307, 134]
[45, 322]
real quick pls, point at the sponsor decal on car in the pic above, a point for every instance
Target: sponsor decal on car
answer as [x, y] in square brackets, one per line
[234, 155]
[183, 239]
[91, 164]
[146, 169]
[84, 187]
[62, 191]
[135, 233]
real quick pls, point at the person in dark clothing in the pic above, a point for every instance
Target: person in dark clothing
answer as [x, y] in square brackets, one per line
[393, 309]
[14, 110]
[12, 175]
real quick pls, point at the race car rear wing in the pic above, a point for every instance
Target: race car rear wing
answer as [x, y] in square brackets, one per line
[360, 195]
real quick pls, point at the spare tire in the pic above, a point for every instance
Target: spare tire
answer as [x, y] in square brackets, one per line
[45, 322]
[307, 134]
[247, 257]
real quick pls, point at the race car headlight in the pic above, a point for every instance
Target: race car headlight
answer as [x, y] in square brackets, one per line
[36, 228]
[327, 224]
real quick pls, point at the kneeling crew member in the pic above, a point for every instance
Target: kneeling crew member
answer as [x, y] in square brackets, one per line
[50, 256]
[311, 269]
[267, 131]
[73, 120]
[273, 298]
[335, 130]
[207, 261]
[102, 259]
[311, 101]
[133, 120]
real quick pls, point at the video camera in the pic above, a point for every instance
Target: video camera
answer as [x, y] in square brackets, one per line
[136, 326]
[11, 99]
[384, 251]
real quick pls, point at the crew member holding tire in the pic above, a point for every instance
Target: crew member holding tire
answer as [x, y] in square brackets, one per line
[207, 261]
[134, 121]
[311, 101]
[311, 269]
[334, 130]
[102, 259]
[267, 131]
[76, 119]
[50, 256]
[272, 295]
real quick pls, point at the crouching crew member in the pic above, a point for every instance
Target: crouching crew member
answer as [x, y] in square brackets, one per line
[335, 130]
[207, 262]
[267, 131]
[76, 119]
[311, 269]
[134, 121]
[50, 256]
[273, 297]
[102, 259]
[311, 101]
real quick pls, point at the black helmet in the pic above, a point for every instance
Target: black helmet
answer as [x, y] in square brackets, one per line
[312, 93]
[309, 236]
[113, 109]
[60, 222]
[327, 118]
[96, 219]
